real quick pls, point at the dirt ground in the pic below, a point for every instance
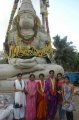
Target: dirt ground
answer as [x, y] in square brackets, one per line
[76, 113]
[76, 101]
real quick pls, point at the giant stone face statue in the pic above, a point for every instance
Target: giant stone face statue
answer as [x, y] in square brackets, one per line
[27, 33]
[29, 46]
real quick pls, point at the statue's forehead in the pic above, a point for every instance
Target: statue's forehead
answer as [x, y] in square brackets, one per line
[26, 14]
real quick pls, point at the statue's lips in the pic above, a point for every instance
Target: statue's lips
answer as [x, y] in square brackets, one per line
[26, 41]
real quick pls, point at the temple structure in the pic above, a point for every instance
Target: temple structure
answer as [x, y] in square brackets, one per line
[28, 44]
[28, 37]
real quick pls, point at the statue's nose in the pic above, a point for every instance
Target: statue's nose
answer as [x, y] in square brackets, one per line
[26, 23]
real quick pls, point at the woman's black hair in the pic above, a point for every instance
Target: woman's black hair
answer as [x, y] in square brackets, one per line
[59, 74]
[32, 75]
[19, 74]
[51, 71]
[41, 74]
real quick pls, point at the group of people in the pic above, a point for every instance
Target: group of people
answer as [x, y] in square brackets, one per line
[40, 99]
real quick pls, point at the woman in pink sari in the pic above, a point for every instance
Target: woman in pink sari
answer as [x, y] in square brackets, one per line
[30, 90]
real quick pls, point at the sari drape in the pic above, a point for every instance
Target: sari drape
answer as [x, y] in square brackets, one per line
[51, 97]
[41, 102]
[30, 88]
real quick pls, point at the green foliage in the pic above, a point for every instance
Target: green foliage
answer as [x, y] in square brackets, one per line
[66, 54]
[76, 62]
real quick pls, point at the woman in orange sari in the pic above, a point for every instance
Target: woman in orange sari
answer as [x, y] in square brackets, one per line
[41, 99]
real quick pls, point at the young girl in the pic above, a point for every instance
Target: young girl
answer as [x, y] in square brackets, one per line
[68, 105]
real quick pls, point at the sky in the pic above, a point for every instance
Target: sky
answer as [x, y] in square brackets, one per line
[63, 19]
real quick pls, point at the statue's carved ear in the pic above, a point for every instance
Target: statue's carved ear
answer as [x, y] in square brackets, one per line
[39, 23]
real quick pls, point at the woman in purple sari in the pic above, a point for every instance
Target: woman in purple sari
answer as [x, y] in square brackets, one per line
[51, 95]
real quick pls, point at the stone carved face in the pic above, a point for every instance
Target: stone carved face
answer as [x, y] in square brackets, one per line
[26, 25]
[26, 21]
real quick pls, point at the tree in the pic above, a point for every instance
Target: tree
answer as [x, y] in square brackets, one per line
[76, 62]
[65, 52]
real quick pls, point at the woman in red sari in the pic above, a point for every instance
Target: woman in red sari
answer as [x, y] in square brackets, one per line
[41, 99]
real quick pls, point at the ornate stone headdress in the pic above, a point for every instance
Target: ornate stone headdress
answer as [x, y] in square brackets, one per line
[26, 6]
